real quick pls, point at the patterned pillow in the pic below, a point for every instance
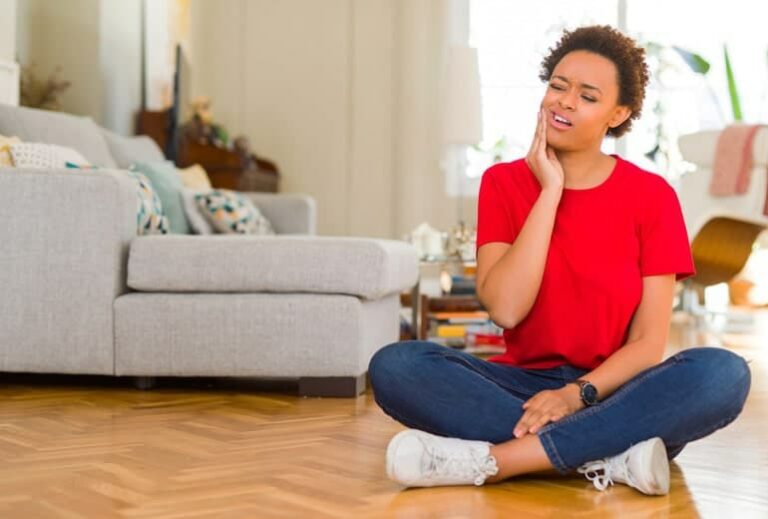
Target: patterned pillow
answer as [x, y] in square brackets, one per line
[232, 213]
[150, 218]
[44, 156]
[5, 150]
[197, 220]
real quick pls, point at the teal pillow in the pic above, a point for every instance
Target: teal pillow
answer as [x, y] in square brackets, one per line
[167, 183]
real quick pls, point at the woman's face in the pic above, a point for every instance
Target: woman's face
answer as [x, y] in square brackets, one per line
[581, 101]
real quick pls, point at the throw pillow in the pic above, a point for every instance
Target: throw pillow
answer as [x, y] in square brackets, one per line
[149, 209]
[196, 178]
[5, 150]
[232, 213]
[197, 220]
[150, 218]
[167, 183]
[44, 156]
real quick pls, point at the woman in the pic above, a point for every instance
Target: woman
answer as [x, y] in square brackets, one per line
[578, 255]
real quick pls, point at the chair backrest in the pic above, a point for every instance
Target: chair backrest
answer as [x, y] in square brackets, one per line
[721, 249]
[699, 206]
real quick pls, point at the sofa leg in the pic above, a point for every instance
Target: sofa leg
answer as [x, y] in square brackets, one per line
[349, 387]
[144, 383]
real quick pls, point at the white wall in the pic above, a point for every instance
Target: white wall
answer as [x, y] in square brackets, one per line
[66, 34]
[9, 69]
[120, 64]
[342, 94]
[97, 43]
[8, 30]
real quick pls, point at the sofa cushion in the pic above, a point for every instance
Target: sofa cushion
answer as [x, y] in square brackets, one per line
[127, 150]
[363, 267]
[80, 133]
[195, 177]
[229, 212]
[197, 220]
[150, 218]
[36, 155]
[167, 183]
[5, 150]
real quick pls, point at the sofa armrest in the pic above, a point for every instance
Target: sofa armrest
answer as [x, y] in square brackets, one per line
[288, 213]
[362, 267]
[65, 237]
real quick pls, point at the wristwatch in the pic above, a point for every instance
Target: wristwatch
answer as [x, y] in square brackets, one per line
[588, 392]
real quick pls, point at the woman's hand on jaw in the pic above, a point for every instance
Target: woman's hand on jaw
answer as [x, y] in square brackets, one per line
[542, 160]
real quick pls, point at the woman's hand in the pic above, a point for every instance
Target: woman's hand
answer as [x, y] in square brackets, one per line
[548, 406]
[542, 160]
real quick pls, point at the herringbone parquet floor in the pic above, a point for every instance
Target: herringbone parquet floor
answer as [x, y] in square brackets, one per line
[99, 448]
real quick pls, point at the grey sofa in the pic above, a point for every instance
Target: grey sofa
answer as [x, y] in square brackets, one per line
[83, 294]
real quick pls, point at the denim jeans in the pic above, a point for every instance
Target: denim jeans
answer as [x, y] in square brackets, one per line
[447, 392]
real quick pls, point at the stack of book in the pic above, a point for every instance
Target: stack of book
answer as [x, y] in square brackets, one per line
[473, 331]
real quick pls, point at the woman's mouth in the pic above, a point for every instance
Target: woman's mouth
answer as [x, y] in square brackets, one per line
[560, 122]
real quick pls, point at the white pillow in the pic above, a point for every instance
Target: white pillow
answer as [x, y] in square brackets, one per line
[44, 156]
[197, 220]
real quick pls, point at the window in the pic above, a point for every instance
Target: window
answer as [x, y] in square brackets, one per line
[512, 40]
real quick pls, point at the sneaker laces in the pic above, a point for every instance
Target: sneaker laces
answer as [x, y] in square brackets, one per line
[612, 468]
[475, 467]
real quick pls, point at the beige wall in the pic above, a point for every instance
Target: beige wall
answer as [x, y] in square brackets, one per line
[66, 34]
[342, 94]
[8, 30]
[97, 43]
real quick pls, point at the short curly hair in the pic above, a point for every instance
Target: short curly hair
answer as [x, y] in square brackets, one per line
[623, 51]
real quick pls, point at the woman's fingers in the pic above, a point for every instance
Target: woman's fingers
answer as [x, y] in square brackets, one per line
[531, 423]
[535, 141]
[543, 134]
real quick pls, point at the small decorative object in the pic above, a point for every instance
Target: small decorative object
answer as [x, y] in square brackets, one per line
[242, 146]
[35, 92]
[462, 241]
[429, 242]
[201, 128]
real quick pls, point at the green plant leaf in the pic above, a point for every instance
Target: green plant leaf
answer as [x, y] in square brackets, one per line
[693, 60]
[732, 92]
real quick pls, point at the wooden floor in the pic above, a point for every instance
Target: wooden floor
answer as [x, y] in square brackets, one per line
[98, 448]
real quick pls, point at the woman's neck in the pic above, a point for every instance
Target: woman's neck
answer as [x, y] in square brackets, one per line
[585, 168]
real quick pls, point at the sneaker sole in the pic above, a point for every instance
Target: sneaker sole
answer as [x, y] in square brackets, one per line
[657, 460]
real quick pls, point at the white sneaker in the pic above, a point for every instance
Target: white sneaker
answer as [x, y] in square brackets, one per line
[419, 459]
[643, 466]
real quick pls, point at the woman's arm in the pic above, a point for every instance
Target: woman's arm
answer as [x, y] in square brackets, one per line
[645, 346]
[509, 276]
[647, 339]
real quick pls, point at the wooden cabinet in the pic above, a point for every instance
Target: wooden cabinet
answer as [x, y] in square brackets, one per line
[227, 169]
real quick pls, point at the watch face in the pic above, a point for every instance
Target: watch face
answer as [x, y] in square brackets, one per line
[589, 394]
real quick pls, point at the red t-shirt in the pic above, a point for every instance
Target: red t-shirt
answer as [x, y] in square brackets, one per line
[605, 239]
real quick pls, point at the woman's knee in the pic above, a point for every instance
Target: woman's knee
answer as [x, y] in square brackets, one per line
[393, 362]
[724, 370]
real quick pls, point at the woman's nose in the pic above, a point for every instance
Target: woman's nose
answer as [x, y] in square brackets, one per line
[566, 100]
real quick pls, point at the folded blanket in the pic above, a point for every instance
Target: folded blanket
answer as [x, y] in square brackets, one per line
[733, 160]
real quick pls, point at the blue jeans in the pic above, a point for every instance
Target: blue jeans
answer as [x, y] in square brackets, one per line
[690, 395]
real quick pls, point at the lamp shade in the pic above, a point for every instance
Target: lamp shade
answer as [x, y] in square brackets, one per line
[462, 110]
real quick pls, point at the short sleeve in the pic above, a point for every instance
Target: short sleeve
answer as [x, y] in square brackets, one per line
[493, 218]
[664, 245]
